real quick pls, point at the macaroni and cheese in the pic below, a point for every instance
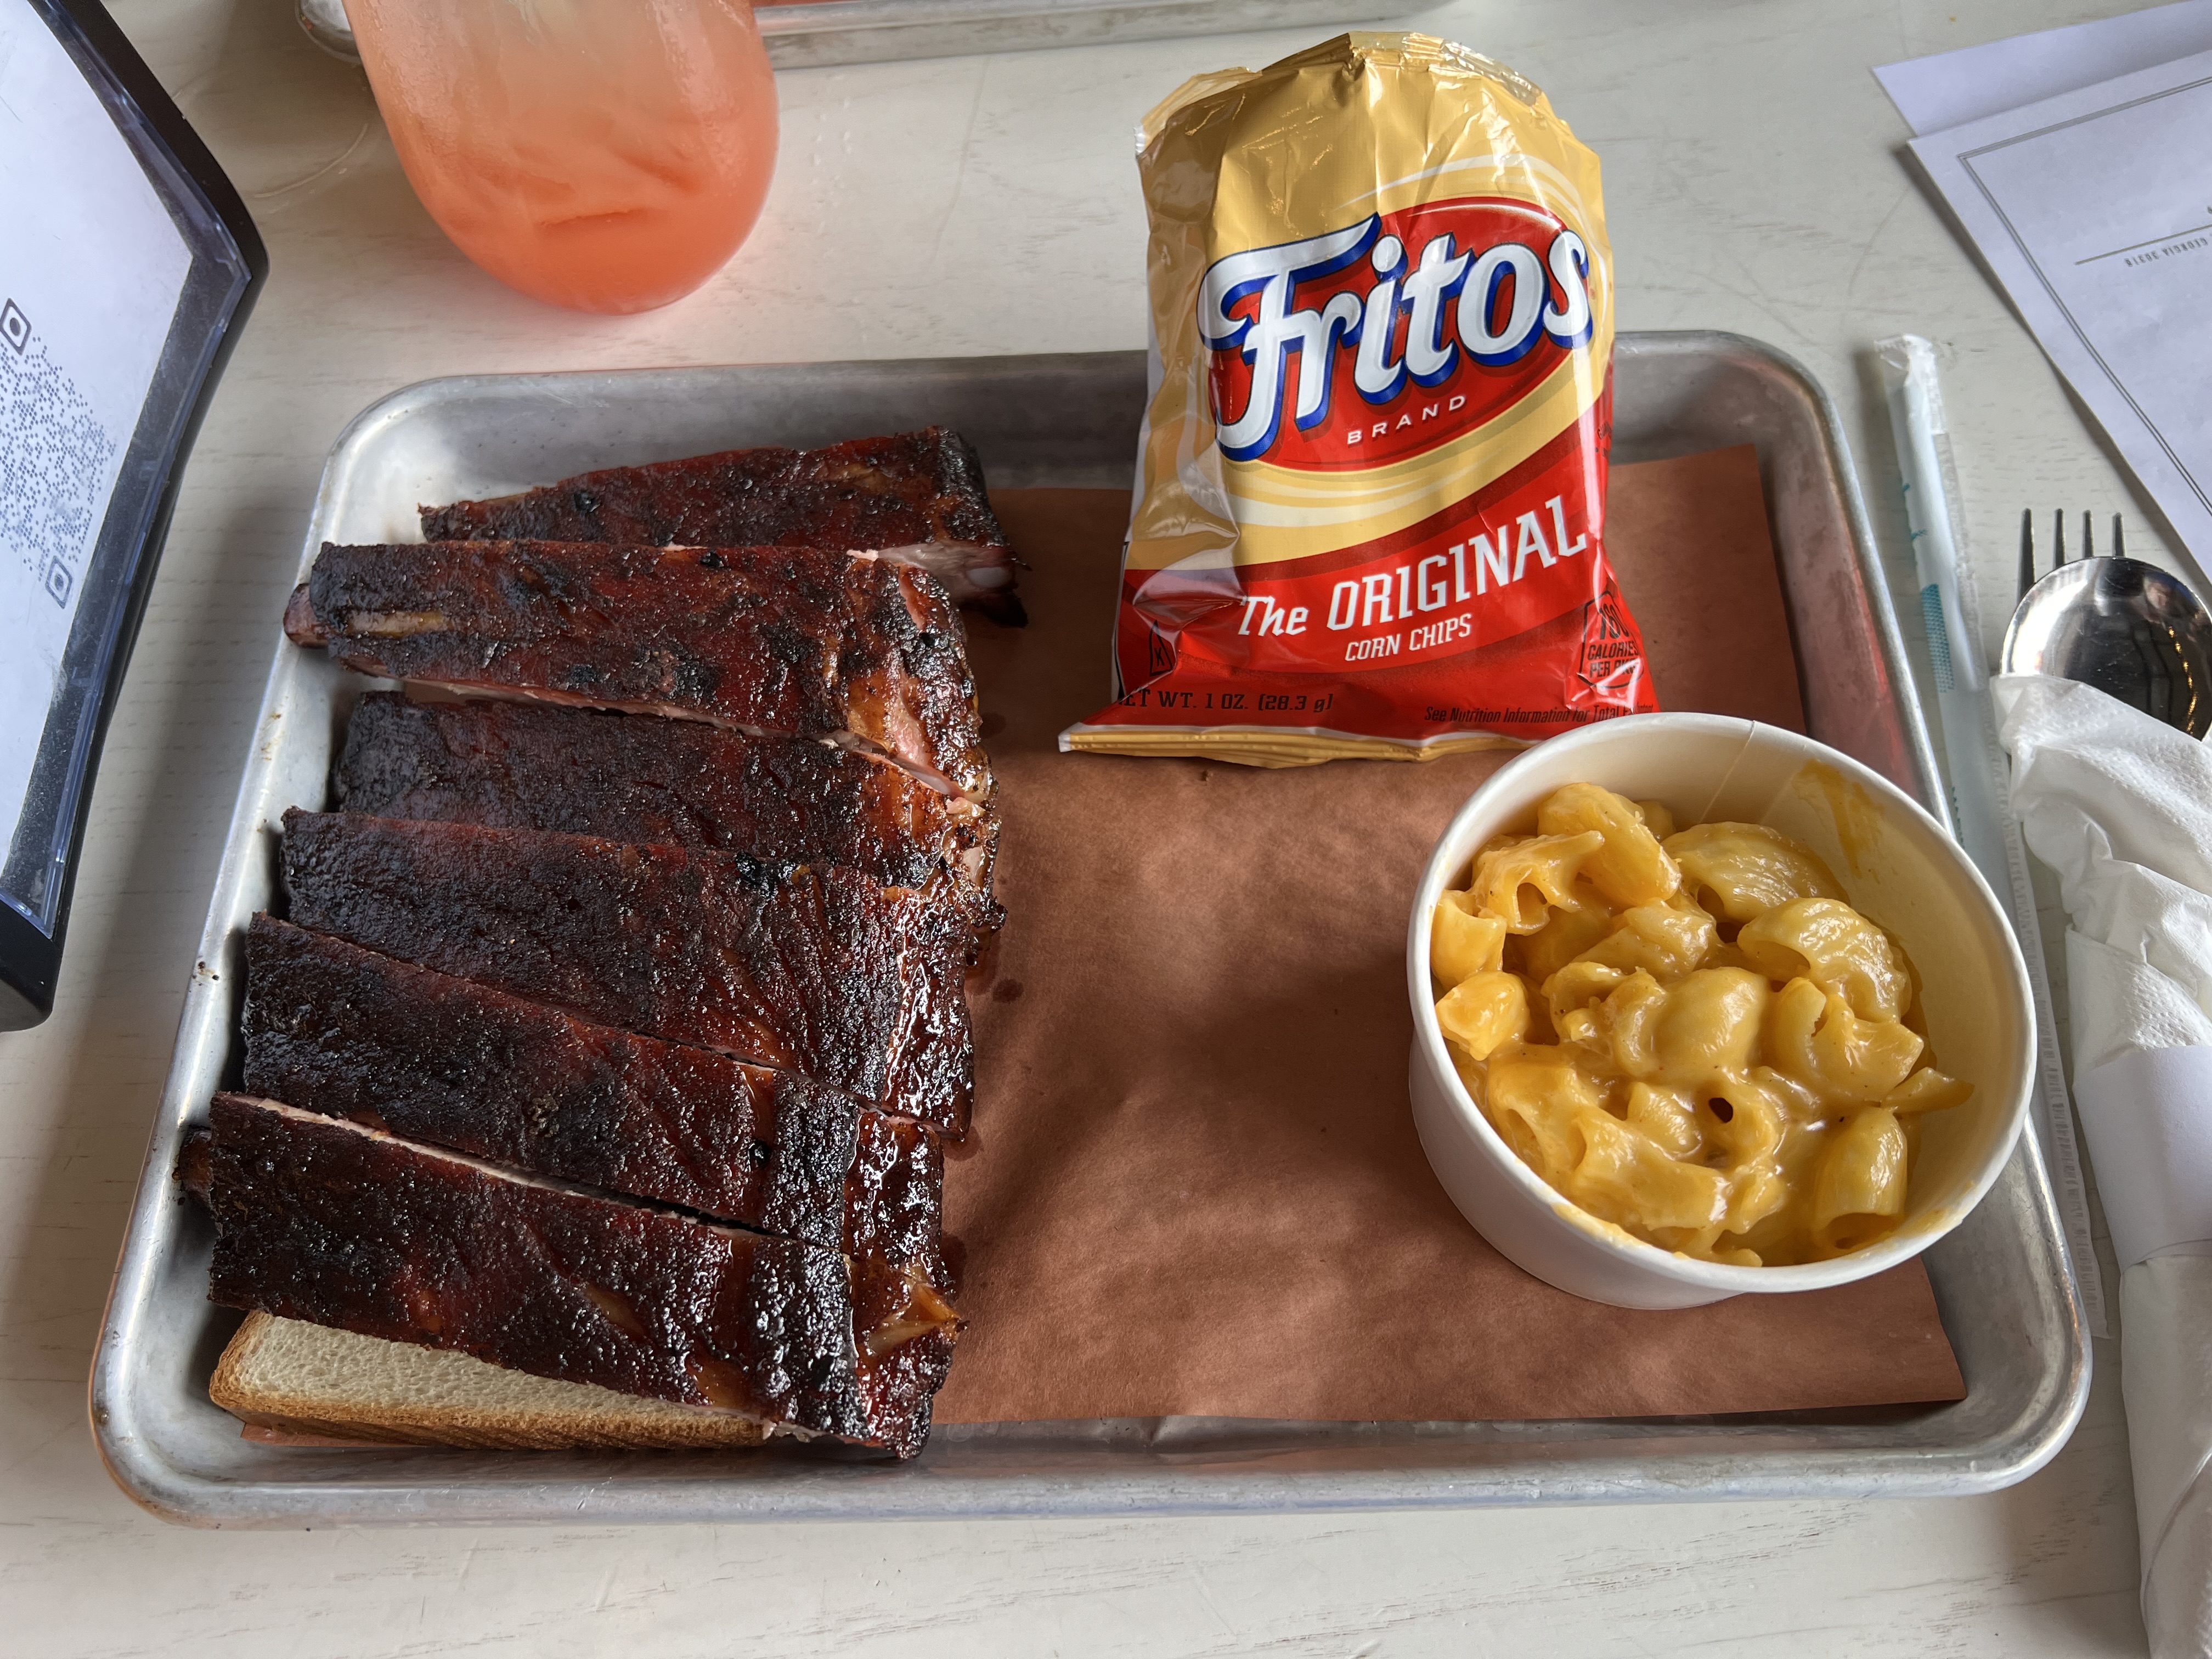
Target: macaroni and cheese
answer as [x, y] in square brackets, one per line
[1688, 1034]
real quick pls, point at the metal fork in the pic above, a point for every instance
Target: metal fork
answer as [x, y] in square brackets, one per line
[2126, 627]
[2058, 543]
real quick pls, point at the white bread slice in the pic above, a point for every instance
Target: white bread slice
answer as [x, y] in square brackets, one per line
[317, 1381]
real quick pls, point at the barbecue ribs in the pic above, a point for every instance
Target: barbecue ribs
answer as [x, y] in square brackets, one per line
[323, 1219]
[791, 642]
[343, 1031]
[809, 968]
[917, 497]
[672, 783]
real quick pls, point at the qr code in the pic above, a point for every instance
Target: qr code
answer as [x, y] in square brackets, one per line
[53, 460]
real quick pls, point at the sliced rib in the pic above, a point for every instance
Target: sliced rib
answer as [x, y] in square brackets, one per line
[791, 642]
[915, 496]
[323, 1219]
[812, 969]
[335, 1029]
[675, 783]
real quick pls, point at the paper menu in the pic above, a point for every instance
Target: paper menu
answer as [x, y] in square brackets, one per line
[92, 268]
[2094, 211]
[1950, 88]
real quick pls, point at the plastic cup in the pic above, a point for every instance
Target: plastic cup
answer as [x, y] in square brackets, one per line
[603, 155]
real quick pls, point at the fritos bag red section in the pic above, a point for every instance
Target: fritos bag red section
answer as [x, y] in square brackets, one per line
[1371, 481]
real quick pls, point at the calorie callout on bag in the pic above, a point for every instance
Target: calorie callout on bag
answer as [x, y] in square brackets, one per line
[1371, 480]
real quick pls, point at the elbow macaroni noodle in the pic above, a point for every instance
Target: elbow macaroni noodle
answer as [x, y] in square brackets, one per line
[1690, 1035]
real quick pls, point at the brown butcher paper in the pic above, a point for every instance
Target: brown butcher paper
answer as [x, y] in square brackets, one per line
[1195, 1187]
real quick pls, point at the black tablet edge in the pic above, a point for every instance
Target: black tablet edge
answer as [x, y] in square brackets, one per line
[30, 960]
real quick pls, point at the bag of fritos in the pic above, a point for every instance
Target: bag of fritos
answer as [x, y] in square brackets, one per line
[1371, 479]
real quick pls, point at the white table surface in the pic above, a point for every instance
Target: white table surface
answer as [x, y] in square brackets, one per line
[983, 205]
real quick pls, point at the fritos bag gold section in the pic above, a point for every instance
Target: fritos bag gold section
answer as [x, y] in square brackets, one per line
[1371, 478]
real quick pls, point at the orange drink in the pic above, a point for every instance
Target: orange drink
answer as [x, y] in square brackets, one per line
[604, 154]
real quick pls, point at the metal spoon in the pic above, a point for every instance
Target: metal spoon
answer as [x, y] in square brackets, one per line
[2128, 628]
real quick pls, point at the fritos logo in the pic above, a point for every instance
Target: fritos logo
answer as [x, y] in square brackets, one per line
[1386, 337]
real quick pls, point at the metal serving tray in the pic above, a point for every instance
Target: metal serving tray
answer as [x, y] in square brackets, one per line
[2001, 1279]
[812, 34]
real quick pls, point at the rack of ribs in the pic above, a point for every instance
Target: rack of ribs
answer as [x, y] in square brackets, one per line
[809, 968]
[324, 1219]
[915, 496]
[334, 1029]
[673, 783]
[796, 642]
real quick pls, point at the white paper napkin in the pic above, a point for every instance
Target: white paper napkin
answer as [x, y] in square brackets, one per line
[2120, 806]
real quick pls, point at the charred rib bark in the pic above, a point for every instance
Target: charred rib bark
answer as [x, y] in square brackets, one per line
[672, 783]
[916, 497]
[792, 642]
[817, 970]
[322, 1219]
[338, 1029]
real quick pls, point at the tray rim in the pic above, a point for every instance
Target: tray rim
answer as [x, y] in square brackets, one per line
[832, 34]
[1712, 1472]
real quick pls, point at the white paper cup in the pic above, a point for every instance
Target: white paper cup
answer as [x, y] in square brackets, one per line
[1899, 867]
